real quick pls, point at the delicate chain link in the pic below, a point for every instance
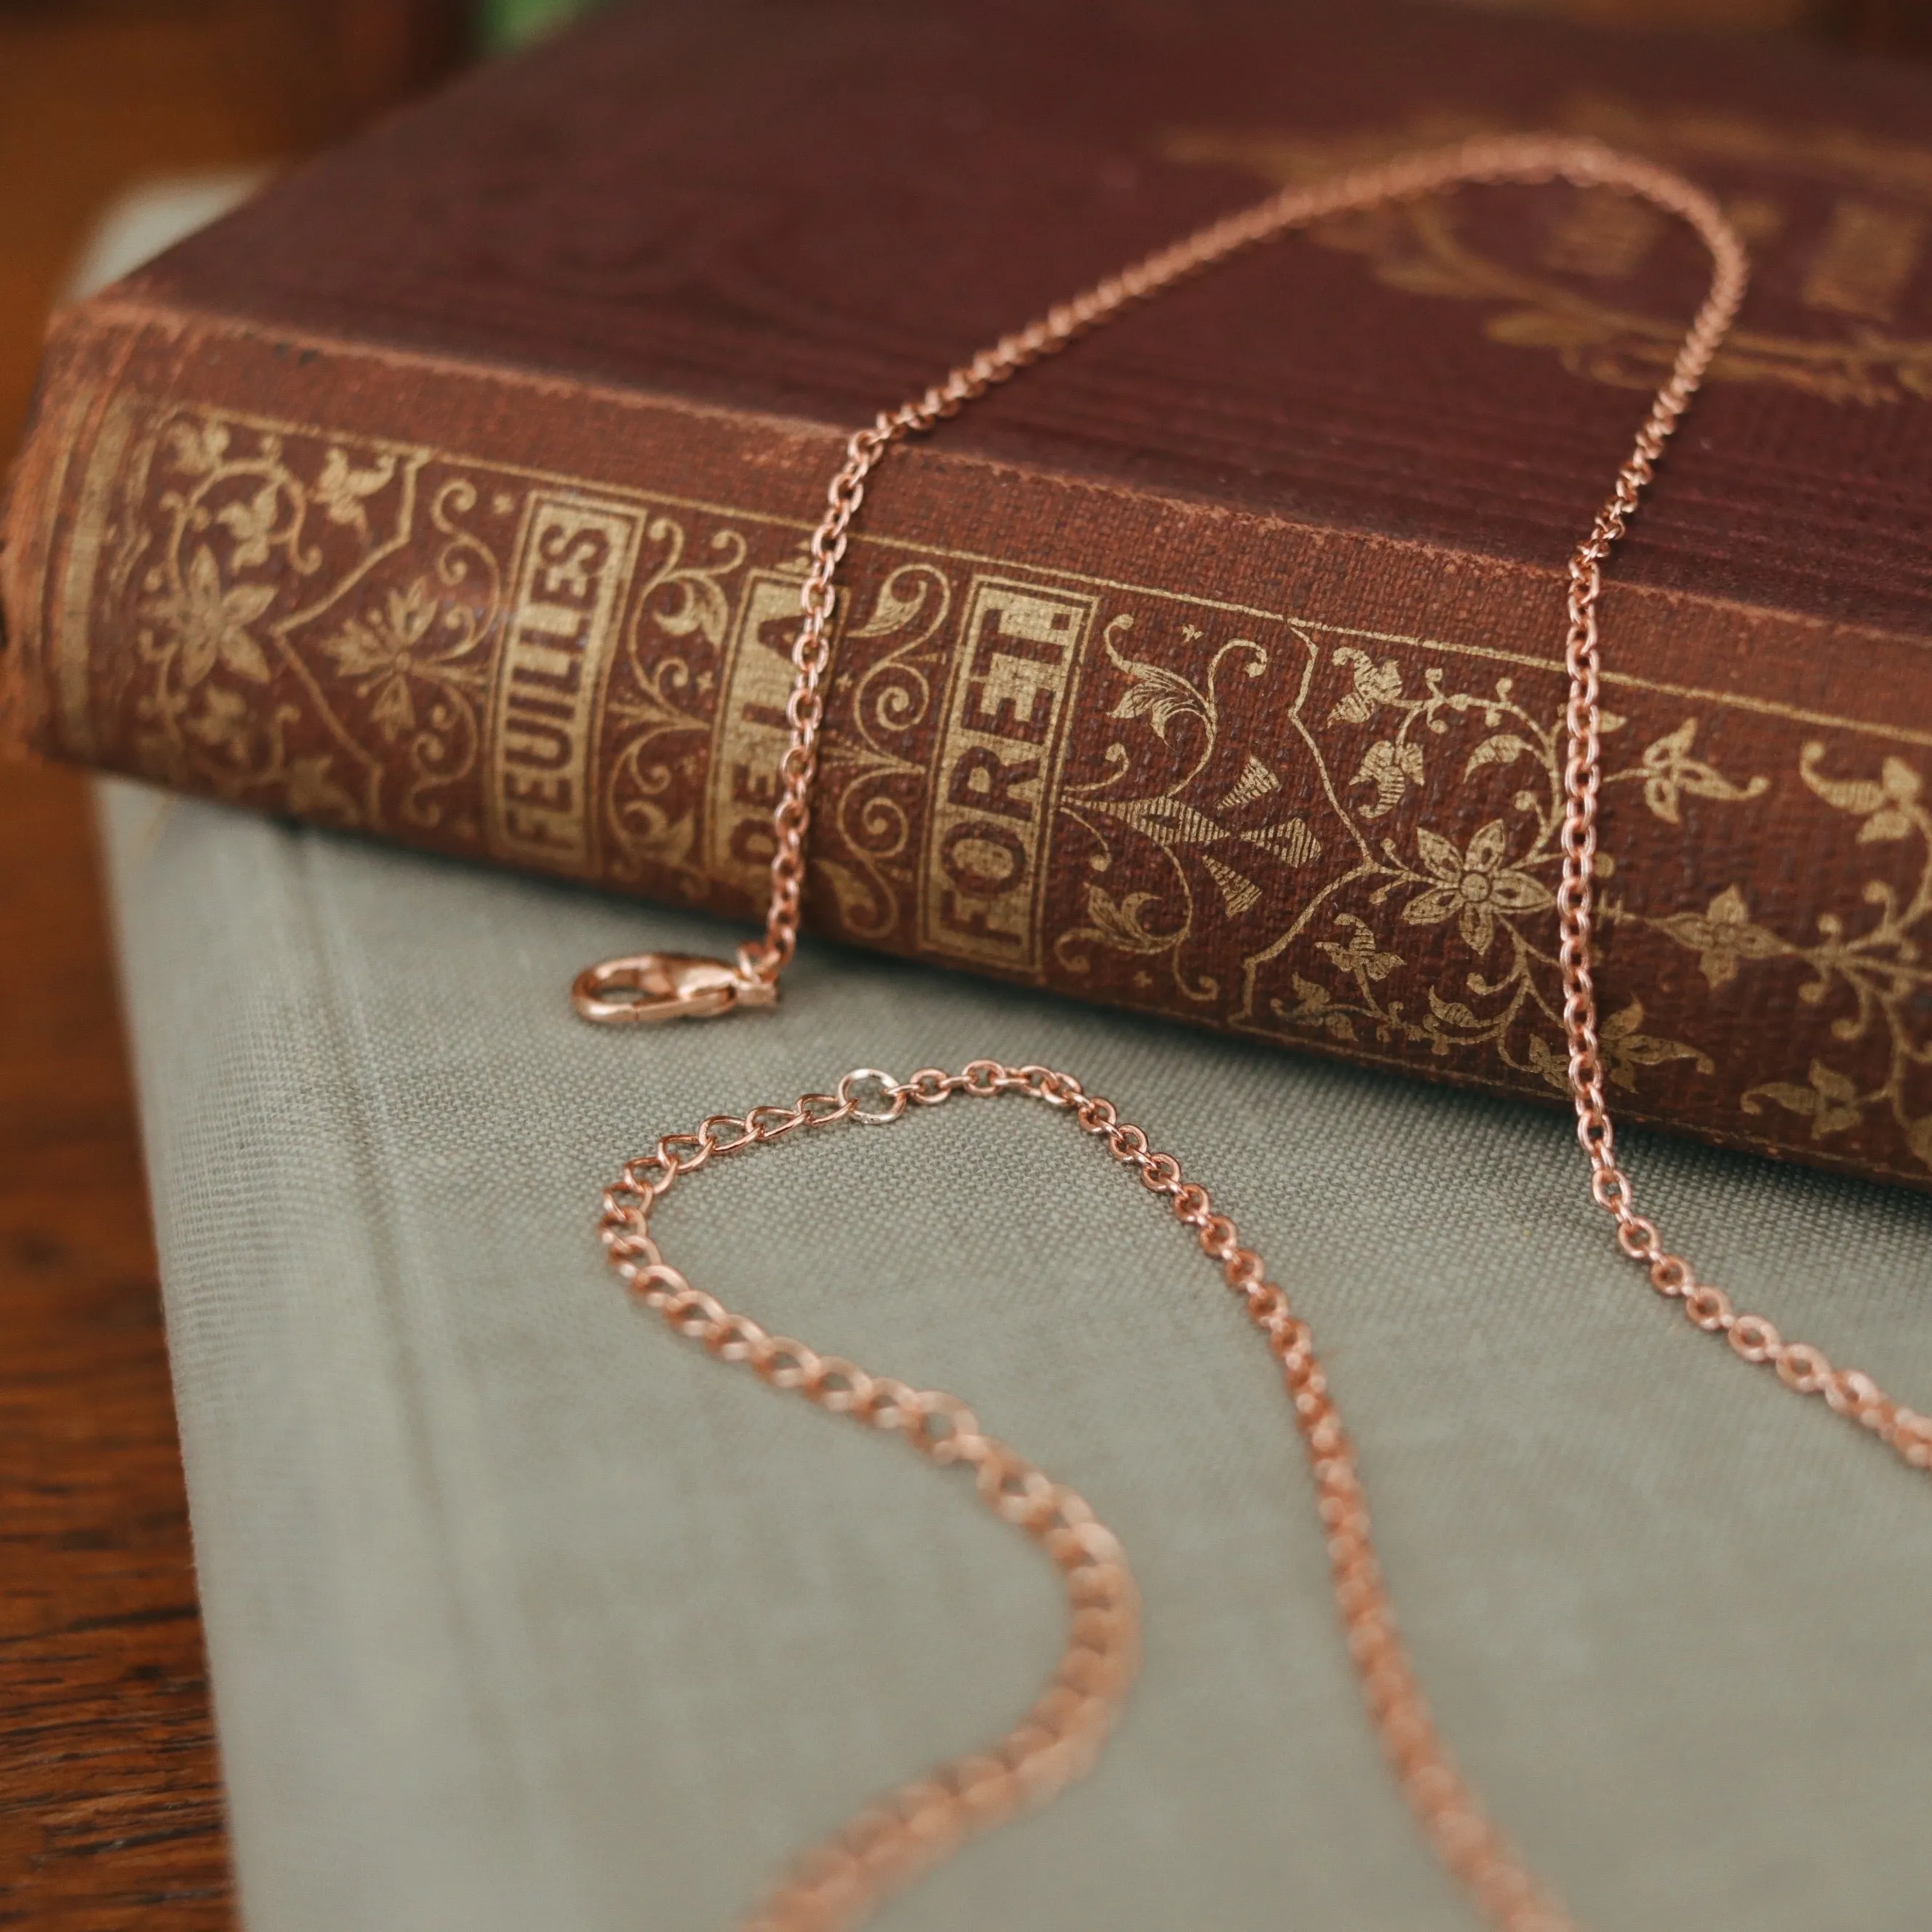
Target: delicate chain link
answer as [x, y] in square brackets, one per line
[1506, 158]
[897, 1837]
[839, 1882]
[1520, 159]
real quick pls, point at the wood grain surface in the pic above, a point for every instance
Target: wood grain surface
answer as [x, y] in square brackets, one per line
[110, 1806]
[110, 1798]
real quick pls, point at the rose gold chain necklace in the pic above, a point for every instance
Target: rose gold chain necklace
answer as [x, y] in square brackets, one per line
[838, 1883]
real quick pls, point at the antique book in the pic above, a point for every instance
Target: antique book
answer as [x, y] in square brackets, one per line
[453, 492]
[524, 1613]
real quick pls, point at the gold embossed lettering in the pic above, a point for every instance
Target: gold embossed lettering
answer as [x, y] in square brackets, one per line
[537, 742]
[575, 558]
[986, 838]
[552, 794]
[982, 777]
[574, 561]
[752, 732]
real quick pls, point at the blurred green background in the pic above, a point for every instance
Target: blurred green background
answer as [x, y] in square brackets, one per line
[506, 23]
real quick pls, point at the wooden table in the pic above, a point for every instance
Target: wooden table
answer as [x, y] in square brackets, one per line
[110, 1801]
[110, 1807]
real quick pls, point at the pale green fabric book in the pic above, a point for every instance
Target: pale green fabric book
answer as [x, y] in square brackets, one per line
[523, 1614]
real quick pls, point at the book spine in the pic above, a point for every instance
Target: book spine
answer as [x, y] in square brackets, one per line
[1297, 783]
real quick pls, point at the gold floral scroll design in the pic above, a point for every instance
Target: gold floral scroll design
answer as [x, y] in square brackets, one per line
[258, 536]
[1421, 247]
[1488, 893]
[661, 704]
[1874, 965]
[1365, 877]
[895, 664]
[660, 699]
[418, 654]
[1119, 812]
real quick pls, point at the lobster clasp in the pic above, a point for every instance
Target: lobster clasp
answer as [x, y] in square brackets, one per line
[648, 987]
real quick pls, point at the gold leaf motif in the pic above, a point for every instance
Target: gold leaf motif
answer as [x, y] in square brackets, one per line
[222, 722]
[251, 524]
[1831, 1100]
[1858, 795]
[1316, 1009]
[394, 710]
[1238, 894]
[1359, 953]
[1167, 821]
[1627, 1048]
[1439, 857]
[1427, 248]
[1884, 825]
[219, 498]
[1375, 685]
[198, 446]
[1155, 693]
[1889, 807]
[1391, 768]
[1256, 781]
[341, 488]
[1495, 882]
[376, 651]
[1123, 924]
[312, 792]
[1723, 934]
[1547, 328]
[1419, 277]
[1550, 1064]
[1291, 841]
[359, 649]
[210, 621]
[1900, 783]
[1504, 748]
[1668, 770]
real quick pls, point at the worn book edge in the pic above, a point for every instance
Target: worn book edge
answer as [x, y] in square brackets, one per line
[96, 343]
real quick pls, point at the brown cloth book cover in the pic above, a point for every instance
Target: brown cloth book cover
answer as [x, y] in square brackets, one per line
[454, 491]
